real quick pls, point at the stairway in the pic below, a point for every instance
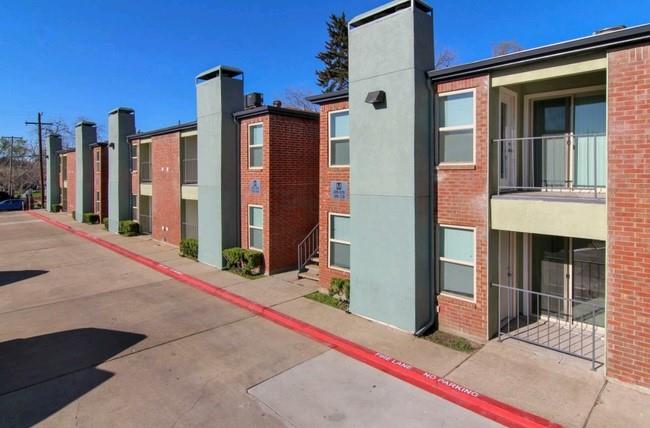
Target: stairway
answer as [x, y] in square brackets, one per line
[311, 269]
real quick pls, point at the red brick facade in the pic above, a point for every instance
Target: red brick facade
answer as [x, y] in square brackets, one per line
[328, 205]
[70, 181]
[100, 180]
[166, 185]
[628, 215]
[462, 200]
[288, 185]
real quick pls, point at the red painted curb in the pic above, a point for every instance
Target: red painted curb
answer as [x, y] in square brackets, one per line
[464, 397]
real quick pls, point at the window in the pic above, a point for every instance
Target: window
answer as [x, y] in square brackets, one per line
[98, 203]
[145, 214]
[456, 127]
[339, 241]
[255, 227]
[134, 208]
[98, 161]
[189, 219]
[145, 162]
[134, 157]
[189, 160]
[255, 145]
[456, 248]
[339, 135]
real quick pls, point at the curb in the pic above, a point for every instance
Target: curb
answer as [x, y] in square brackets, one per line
[457, 394]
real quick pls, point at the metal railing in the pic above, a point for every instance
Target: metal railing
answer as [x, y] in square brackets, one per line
[574, 162]
[190, 171]
[145, 172]
[308, 248]
[553, 322]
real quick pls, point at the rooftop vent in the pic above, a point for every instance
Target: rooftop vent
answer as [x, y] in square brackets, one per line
[254, 99]
[277, 103]
[610, 29]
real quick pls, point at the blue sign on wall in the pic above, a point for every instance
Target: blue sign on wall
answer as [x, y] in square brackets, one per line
[255, 186]
[339, 189]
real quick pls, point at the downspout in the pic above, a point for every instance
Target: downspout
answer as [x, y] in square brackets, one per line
[432, 240]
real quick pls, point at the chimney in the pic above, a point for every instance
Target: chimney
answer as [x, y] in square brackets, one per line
[53, 186]
[219, 94]
[85, 135]
[121, 123]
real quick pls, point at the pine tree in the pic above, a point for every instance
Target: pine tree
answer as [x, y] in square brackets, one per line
[334, 75]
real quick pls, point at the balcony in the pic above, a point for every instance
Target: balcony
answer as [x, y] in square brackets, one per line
[565, 165]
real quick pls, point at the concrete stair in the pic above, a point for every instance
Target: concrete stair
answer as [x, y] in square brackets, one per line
[311, 269]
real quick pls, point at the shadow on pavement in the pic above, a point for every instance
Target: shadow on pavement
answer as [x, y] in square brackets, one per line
[10, 276]
[68, 358]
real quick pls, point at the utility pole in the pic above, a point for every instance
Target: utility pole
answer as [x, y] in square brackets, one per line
[40, 124]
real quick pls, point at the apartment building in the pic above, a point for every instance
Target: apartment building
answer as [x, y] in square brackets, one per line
[66, 179]
[279, 181]
[164, 197]
[503, 198]
[100, 178]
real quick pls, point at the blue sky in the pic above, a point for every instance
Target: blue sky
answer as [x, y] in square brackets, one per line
[73, 59]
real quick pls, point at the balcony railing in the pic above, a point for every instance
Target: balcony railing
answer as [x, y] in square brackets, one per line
[190, 171]
[145, 172]
[566, 162]
[570, 326]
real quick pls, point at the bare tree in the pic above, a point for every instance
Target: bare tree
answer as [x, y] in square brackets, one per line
[506, 47]
[295, 98]
[61, 128]
[445, 58]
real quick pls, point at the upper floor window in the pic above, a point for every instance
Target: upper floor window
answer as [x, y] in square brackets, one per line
[145, 162]
[98, 161]
[134, 157]
[456, 127]
[255, 145]
[189, 159]
[339, 138]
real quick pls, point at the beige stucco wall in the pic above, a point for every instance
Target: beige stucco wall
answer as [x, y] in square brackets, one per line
[146, 189]
[561, 218]
[549, 70]
[189, 192]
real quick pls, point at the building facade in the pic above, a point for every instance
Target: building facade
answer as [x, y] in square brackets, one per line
[504, 198]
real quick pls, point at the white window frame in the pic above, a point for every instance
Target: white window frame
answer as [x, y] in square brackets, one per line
[98, 202]
[455, 261]
[98, 161]
[255, 227]
[338, 241]
[331, 139]
[252, 125]
[440, 129]
[135, 157]
[136, 206]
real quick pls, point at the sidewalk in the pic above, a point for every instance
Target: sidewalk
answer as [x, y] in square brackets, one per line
[561, 388]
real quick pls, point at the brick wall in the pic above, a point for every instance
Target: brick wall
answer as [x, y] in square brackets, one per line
[327, 204]
[628, 215]
[72, 181]
[461, 200]
[166, 185]
[289, 186]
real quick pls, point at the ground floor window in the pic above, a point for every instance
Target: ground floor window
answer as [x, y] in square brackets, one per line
[189, 219]
[145, 214]
[134, 208]
[456, 260]
[255, 227]
[339, 241]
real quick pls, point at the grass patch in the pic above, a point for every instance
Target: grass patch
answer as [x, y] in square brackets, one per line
[454, 342]
[328, 300]
[243, 274]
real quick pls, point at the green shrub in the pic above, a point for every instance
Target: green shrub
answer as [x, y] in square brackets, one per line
[91, 218]
[243, 260]
[105, 222]
[57, 208]
[190, 248]
[340, 288]
[129, 228]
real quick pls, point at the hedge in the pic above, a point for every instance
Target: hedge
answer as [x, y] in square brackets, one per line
[129, 228]
[243, 259]
[57, 208]
[190, 248]
[340, 288]
[91, 218]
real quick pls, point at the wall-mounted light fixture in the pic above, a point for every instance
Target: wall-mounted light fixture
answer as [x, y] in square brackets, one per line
[376, 97]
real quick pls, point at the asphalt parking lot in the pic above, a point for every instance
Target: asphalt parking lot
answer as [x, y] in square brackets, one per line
[90, 338]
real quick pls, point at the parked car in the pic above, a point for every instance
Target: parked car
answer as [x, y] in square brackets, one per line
[11, 205]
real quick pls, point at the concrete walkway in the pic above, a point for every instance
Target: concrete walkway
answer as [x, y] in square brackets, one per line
[552, 385]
